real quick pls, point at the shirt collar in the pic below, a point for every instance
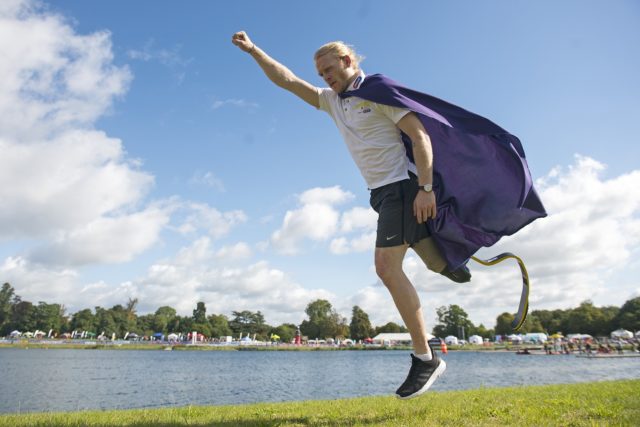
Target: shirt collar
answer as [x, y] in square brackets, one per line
[355, 84]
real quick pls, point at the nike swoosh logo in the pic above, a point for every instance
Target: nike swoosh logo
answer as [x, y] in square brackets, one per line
[389, 238]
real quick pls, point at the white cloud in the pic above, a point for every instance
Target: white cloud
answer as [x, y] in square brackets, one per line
[101, 240]
[363, 243]
[38, 283]
[52, 79]
[208, 179]
[62, 183]
[238, 251]
[74, 178]
[204, 217]
[170, 58]
[317, 219]
[201, 273]
[239, 103]
[357, 220]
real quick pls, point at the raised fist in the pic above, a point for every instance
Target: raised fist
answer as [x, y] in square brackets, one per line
[242, 40]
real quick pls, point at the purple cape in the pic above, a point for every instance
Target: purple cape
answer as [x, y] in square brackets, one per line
[481, 178]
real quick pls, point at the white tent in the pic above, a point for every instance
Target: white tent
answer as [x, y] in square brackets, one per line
[621, 333]
[172, 337]
[451, 340]
[579, 336]
[535, 337]
[515, 338]
[475, 339]
[15, 334]
[387, 338]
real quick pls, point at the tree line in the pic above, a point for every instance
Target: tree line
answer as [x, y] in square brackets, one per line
[322, 321]
[584, 319]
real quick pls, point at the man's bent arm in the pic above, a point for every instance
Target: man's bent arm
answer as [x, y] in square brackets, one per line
[425, 203]
[278, 73]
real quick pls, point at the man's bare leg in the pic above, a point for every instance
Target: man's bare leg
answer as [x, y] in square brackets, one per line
[389, 268]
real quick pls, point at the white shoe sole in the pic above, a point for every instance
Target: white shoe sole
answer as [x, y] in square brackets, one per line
[436, 374]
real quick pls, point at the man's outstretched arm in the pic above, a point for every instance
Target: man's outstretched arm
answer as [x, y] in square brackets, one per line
[277, 73]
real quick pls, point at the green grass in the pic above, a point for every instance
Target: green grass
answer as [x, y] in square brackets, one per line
[588, 404]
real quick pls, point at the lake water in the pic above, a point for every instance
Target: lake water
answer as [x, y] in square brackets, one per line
[68, 380]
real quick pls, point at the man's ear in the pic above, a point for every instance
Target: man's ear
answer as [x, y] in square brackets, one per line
[347, 60]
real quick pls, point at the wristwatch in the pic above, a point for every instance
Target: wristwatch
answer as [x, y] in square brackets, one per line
[427, 187]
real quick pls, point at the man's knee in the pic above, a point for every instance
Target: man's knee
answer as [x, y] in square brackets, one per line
[388, 264]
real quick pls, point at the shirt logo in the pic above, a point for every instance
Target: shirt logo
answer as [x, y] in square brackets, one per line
[357, 82]
[363, 107]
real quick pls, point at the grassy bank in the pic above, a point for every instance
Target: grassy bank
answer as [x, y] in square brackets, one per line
[603, 403]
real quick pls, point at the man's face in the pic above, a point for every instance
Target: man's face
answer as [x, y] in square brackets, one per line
[336, 72]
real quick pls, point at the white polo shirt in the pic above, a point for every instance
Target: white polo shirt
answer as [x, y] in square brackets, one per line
[370, 132]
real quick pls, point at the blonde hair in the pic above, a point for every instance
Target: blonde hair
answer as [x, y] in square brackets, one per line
[340, 49]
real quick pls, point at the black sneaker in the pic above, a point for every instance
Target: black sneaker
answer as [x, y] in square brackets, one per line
[421, 376]
[461, 275]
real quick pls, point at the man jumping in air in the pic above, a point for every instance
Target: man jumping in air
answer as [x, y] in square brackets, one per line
[383, 125]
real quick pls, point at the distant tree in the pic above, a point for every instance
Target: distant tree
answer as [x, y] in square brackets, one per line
[182, 324]
[360, 327]
[248, 322]
[629, 316]
[105, 323]
[610, 313]
[589, 319]
[200, 313]
[482, 331]
[130, 312]
[319, 312]
[50, 316]
[338, 325]
[202, 328]
[390, 327]
[7, 294]
[219, 326]
[324, 321]
[451, 320]
[286, 332]
[163, 318]
[83, 320]
[552, 321]
[121, 323]
[531, 324]
[503, 324]
[23, 316]
[145, 325]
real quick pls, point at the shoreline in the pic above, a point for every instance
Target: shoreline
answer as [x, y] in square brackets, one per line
[123, 345]
[534, 350]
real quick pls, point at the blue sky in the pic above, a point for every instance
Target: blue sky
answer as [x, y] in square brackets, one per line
[146, 156]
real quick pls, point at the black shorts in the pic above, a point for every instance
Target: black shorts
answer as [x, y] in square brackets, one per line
[397, 224]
